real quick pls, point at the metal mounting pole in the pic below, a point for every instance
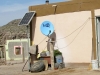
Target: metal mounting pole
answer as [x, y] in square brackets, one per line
[28, 47]
[22, 51]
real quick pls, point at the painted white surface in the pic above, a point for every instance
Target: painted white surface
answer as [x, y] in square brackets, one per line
[6, 47]
[78, 45]
[97, 12]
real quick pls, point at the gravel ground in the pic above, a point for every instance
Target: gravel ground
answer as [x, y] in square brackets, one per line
[16, 69]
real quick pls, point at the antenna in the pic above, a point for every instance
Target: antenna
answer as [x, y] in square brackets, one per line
[47, 28]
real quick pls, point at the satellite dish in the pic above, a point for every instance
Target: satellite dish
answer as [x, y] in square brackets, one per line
[47, 28]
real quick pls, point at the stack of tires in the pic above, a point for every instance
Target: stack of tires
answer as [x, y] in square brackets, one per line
[38, 66]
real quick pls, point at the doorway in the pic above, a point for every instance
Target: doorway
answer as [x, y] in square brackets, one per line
[98, 38]
[2, 55]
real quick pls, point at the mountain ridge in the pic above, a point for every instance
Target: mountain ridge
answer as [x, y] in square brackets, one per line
[12, 31]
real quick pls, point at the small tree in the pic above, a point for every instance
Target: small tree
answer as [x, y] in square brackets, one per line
[57, 52]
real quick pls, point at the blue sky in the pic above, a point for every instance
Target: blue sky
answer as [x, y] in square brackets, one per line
[15, 9]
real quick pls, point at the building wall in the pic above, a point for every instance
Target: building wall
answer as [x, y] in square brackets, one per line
[76, 27]
[9, 47]
[97, 12]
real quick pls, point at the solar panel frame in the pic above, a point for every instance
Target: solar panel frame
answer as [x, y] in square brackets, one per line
[26, 14]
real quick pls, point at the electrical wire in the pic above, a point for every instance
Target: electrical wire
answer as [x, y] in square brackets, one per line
[76, 35]
[75, 30]
[42, 40]
[45, 47]
[25, 64]
[57, 45]
[45, 37]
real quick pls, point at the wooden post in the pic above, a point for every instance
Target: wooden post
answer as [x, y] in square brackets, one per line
[28, 47]
[52, 55]
[5, 55]
[94, 53]
[23, 54]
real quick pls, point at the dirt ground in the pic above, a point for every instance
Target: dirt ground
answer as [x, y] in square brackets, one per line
[16, 69]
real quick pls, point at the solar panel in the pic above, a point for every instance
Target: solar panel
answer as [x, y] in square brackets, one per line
[27, 18]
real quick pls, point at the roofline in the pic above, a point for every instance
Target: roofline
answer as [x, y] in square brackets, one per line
[65, 7]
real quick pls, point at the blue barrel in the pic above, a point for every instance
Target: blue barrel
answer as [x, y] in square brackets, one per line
[59, 59]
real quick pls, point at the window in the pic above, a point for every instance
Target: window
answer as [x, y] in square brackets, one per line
[17, 50]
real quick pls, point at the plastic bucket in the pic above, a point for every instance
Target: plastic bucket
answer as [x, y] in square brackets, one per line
[94, 64]
[59, 59]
